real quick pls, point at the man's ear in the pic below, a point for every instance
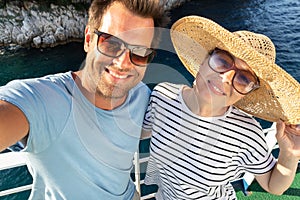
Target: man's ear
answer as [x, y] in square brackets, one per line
[87, 38]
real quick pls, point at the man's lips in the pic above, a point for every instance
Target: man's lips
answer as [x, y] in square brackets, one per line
[116, 75]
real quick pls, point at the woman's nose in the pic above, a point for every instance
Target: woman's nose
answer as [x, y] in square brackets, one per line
[228, 76]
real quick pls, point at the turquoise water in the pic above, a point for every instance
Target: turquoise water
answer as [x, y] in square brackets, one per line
[277, 19]
[27, 63]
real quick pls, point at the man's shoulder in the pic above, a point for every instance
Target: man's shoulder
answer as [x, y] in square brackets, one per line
[141, 88]
[56, 78]
[38, 81]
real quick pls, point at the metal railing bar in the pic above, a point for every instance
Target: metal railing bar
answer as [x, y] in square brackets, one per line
[12, 159]
[15, 190]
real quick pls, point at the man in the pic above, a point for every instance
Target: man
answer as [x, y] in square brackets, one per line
[81, 129]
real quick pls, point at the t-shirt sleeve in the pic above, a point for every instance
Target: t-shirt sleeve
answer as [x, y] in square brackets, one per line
[257, 157]
[148, 118]
[41, 102]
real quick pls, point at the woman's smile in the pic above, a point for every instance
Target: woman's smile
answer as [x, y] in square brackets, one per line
[215, 88]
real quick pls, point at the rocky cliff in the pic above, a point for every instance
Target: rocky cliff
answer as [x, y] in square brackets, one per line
[27, 24]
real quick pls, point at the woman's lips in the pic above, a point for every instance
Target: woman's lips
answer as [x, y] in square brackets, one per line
[215, 89]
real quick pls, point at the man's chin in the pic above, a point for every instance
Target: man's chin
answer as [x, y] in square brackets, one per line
[115, 94]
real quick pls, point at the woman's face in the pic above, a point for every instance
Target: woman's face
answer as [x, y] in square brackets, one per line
[222, 79]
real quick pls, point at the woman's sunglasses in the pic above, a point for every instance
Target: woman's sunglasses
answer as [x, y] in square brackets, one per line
[114, 47]
[244, 81]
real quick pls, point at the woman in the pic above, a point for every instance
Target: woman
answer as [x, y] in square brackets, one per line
[202, 139]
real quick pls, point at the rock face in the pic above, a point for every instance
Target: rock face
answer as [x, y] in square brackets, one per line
[28, 26]
[25, 24]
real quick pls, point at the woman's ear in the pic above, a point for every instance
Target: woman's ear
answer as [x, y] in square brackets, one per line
[87, 38]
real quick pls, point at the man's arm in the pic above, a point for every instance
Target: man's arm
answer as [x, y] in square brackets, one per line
[13, 125]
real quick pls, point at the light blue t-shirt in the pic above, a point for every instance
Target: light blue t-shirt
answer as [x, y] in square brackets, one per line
[77, 151]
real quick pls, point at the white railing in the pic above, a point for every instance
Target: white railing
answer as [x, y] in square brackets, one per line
[15, 159]
[10, 160]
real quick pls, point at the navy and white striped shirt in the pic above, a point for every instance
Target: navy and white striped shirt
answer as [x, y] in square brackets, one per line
[193, 157]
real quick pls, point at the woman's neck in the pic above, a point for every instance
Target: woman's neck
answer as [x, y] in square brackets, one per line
[199, 106]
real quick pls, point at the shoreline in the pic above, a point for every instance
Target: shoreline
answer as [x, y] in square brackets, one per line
[30, 26]
[27, 25]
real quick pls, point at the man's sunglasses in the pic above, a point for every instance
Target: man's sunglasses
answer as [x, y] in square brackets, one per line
[244, 81]
[114, 47]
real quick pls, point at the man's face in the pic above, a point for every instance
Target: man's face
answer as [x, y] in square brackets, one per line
[113, 77]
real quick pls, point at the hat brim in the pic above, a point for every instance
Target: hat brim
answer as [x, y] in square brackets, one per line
[278, 98]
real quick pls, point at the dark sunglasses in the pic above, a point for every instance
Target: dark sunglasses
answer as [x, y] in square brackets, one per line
[244, 81]
[114, 47]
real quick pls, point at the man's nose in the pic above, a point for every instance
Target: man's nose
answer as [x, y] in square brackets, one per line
[123, 61]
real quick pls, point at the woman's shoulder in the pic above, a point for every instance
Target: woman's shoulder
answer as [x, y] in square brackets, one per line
[246, 120]
[172, 87]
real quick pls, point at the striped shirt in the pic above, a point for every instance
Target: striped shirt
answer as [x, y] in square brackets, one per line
[193, 157]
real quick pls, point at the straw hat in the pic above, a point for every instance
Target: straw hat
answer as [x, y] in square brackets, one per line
[279, 95]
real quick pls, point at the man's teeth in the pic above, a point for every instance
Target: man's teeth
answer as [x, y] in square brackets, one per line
[117, 75]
